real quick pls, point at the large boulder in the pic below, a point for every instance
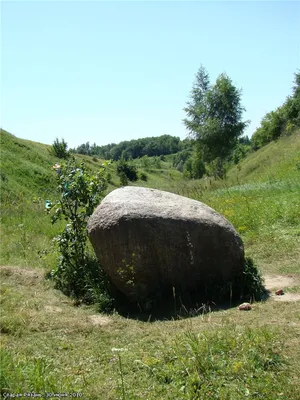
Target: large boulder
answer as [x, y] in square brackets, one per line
[149, 240]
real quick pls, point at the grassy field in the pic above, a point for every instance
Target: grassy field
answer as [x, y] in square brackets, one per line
[49, 345]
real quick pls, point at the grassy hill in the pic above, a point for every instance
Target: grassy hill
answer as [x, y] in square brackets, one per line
[25, 167]
[27, 180]
[49, 345]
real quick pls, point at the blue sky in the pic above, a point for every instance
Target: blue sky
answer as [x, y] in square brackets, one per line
[110, 71]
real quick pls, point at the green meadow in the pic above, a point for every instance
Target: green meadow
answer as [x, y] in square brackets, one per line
[52, 345]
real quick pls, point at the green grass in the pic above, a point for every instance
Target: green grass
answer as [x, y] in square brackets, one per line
[277, 161]
[26, 168]
[267, 219]
[50, 345]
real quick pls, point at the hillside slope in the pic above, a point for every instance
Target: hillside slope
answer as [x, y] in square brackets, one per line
[26, 170]
[25, 167]
[277, 160]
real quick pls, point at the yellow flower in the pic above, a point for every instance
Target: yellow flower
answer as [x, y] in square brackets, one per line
[237, 366]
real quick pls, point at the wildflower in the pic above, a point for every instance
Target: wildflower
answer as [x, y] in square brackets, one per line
[57, 168]
[118, 350]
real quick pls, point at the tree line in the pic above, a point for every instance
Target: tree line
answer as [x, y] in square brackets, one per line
[136, 148]
[284, 120]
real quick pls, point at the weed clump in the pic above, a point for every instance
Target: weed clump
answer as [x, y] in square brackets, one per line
[250, 286]
[144, 177]
[126, 172]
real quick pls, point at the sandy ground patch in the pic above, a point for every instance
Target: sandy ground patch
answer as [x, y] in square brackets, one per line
[22, 271]
[274, 282]
[53, 309]
[279, 281]
[99, 320]
[290, 297]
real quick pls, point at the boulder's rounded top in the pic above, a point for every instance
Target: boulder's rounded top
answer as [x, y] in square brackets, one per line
[136, 194]
[140, 202]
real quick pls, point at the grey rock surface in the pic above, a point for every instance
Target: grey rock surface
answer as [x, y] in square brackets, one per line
[148, 240]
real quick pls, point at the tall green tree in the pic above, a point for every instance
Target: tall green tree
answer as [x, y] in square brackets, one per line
[214, 115]
[196, 108]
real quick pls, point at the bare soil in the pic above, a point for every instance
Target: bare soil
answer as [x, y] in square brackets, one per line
[275, 282]
[33, 278]
[279, 281]
[290, 297]
[99, 320]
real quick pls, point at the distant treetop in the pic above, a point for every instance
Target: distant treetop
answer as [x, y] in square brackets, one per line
[150, 146]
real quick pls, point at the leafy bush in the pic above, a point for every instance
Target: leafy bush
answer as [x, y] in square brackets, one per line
[250, 285]
[109, 177]
[194, 167]
[247, 286]
[123, 179]
[180, 166]
[59, 149]
[156, 162]
[145, 162]
[78, 273]
[272, 127]
[127, 169]
[181, 156]
[240, 152]
[217, 168]
[190, 163]
[144, 177]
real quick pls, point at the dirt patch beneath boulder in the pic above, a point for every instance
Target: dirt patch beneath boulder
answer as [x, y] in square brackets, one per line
[7, 270]
[290, 297]
[99, 320]
[273, 282]
[53, 309]
[276, 282]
